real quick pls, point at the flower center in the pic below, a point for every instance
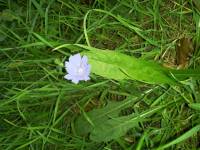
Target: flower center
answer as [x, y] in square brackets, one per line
[80, 71]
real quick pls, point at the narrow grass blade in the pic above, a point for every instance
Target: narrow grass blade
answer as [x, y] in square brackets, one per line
[183, 137]
[195, 106]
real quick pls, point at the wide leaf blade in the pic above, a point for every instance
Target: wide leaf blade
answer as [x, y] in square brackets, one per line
[97, 116]
[126, 67]
[117, 127]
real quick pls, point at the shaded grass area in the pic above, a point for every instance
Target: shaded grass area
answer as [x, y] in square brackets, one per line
[38, 108]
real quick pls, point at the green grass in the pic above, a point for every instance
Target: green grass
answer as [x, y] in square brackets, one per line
[39, 109]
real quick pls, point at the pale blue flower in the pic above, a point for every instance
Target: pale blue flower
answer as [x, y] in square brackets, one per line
[77, 68]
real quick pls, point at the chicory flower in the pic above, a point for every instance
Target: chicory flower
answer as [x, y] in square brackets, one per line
[77, 68]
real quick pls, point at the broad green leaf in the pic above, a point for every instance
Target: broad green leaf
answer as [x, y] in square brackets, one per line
[183, 137]
[118, 66]
[97, 116]
[126, 67]
[107, 70]
[195, 106]
[117, 127]
[114, 128]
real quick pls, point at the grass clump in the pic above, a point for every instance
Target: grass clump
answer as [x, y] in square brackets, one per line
[41, 110]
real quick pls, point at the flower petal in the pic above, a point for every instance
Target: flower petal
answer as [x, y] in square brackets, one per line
[71, 69]
[84, 59]
[75, 59]
[87, 78]
[66, 63]
[68, 77]
[75, 81]
[88, 68]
